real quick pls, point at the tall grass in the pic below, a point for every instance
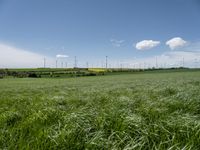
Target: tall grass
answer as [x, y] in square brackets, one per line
[143, 111]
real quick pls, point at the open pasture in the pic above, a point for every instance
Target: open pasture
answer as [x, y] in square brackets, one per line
[127, 111]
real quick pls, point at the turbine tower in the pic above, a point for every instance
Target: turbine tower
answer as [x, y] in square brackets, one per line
[106, 62]
[44, 62]
[75, 62]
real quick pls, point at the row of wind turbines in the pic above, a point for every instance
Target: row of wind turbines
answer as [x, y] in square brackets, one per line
[62, 62]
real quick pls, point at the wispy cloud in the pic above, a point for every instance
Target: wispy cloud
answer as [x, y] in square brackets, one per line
[61, 56]
[117, 43]
[167, 59]
[191, 47]
[12, 57]
[146, 44]
[176, 42]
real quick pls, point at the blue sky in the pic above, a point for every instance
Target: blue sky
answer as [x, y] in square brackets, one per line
[92, 29]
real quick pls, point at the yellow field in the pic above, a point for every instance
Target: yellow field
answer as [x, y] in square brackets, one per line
[97, 70]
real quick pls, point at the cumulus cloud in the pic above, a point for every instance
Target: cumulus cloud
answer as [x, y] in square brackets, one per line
[176, 42]
[146, 44]
[61, 56]
[12, 57]
[116, 43]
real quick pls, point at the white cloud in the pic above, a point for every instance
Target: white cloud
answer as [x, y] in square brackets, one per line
[12, 57]
[176, 42]
[61, 56]
[146, 44]
[116, 43]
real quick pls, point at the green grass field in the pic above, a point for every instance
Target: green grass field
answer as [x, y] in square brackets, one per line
[129, 111]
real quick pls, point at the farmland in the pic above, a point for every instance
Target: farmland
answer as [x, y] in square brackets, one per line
[152, 110]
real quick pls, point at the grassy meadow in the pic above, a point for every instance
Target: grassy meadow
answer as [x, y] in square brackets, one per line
[154, 110]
